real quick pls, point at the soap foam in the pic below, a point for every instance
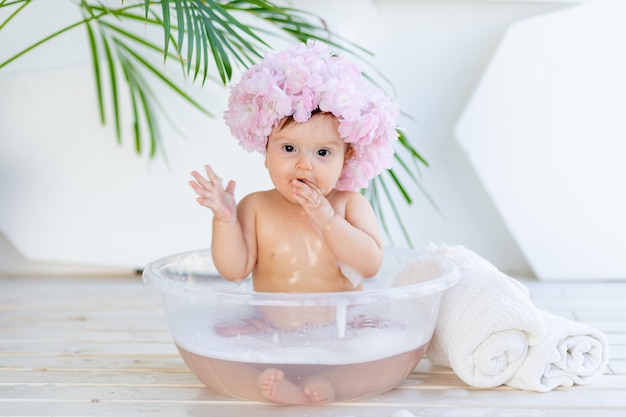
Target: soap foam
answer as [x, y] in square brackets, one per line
[292, 347]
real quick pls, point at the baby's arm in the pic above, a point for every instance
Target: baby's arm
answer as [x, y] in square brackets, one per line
[232, 255]
[354, 238]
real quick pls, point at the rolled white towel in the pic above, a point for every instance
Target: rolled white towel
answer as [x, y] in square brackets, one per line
[486, 322]
[571, 353]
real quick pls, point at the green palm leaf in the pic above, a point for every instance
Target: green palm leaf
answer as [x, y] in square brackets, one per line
[203, 34]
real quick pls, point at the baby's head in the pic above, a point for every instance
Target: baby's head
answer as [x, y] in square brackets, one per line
[308, 78]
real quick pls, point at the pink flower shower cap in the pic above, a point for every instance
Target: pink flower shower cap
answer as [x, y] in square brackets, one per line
[301, 79]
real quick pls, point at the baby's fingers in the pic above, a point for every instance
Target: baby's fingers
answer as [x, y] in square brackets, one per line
[306, 196]
[200, 180]
[213, 178]
[230, 188]
[197, 188]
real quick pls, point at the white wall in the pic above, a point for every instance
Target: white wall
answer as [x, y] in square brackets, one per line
[70, 197]
[550, 107]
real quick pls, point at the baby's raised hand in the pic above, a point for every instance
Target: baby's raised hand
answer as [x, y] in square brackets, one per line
[213, 195]
[313, 201]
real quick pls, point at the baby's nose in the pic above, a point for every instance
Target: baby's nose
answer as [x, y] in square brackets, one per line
[304, 163]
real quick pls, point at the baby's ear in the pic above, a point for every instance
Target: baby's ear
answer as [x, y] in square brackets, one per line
[349, 152]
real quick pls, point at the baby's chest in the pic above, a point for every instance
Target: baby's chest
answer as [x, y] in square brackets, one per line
[289, 238]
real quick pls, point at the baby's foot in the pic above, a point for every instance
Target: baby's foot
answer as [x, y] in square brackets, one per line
[319, 390]
[269, 382]
[275, 388]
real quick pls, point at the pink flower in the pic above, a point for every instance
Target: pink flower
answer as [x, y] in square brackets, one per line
[302, 78]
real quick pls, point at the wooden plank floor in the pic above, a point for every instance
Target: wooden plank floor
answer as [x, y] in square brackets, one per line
[100, 347]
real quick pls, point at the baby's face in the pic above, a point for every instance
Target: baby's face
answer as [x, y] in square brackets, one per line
[311, 152]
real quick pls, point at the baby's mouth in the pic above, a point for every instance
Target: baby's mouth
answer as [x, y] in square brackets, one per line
[310, 184]
[305, 181]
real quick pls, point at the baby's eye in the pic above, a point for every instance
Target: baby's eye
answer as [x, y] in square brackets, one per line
[323, 152]
[289, 148]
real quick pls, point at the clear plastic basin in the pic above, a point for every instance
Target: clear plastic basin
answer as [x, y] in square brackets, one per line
[350, 345]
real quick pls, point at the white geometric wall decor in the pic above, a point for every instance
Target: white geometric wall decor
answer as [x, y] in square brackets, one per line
[545, 131]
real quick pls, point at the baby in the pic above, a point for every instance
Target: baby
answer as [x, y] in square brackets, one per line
[325, 133]
[297, 236]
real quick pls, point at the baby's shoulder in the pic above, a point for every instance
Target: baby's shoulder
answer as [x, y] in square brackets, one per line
[346, 197]
[345, 202]
[256, 198]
